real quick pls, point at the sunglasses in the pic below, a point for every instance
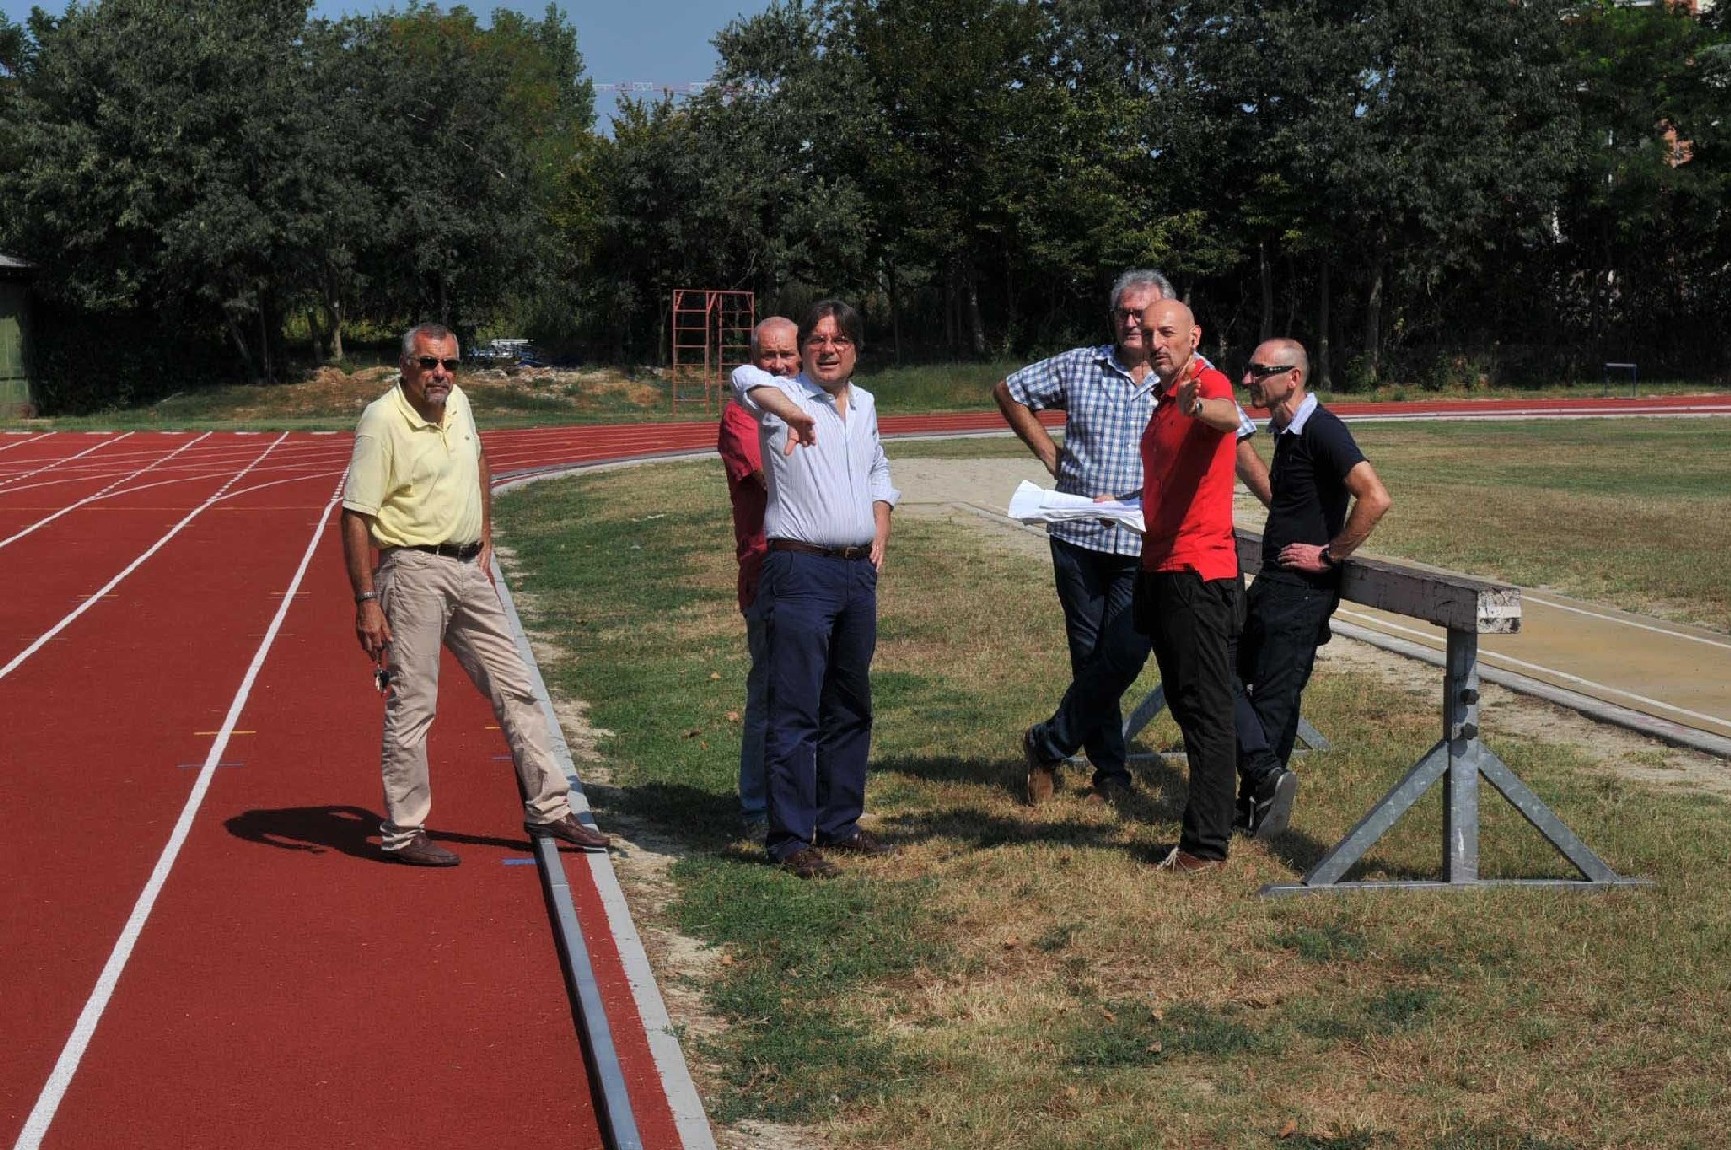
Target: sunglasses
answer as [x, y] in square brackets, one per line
[429, 362]
[1264, 370]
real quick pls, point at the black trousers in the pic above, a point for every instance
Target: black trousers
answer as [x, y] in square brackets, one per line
[1287, 620]
[1193, 623]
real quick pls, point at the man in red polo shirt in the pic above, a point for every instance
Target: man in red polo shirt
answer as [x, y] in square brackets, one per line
[1189, 595]
[775, 349]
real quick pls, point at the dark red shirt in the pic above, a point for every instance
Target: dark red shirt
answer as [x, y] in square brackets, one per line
[1187, 479]
[742, 456]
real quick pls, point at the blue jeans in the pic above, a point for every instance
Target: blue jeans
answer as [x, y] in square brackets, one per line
[1288, 620]
[820, 614]
[753, 802]
[1106, 655]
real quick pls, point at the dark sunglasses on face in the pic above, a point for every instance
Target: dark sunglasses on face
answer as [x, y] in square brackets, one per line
[1264, 370]
[429, 362]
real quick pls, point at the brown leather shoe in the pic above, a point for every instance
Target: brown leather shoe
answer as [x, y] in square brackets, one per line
[863, 843]
[1184, 862]
[1042, 772]
[422, 851]
[810, 863]
[568, 830]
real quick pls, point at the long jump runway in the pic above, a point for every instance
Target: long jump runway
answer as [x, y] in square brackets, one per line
[198, 944]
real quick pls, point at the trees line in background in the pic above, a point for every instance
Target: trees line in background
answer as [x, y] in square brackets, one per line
[1424, 193]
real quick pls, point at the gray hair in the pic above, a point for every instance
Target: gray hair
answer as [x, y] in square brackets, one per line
[1142, 278]
[764, 325]
[434, 331]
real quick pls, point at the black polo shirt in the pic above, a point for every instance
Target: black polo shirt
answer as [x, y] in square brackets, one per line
[1312, 457]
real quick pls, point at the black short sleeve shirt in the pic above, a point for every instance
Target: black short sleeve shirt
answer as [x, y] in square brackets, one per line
[1309, 482]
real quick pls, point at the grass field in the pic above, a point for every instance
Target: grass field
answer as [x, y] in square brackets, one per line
[1022, 979]
[330, 399]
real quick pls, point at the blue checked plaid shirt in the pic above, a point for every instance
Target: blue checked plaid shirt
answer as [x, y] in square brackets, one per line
[1105, 412]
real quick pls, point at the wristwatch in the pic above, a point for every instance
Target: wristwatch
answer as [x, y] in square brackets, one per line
[1195, 408]
[1326, 558]
[364, 596]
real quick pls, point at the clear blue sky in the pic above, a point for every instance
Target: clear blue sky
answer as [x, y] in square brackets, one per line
[664, 41]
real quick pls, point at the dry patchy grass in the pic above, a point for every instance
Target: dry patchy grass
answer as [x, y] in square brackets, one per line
[1020, 978]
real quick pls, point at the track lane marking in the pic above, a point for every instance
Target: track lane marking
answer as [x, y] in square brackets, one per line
[51, 465]
[41, 523]
[88, 603]
[60, 1078]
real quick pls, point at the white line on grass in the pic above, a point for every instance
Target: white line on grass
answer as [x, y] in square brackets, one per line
[48, 1102]
[134, 565]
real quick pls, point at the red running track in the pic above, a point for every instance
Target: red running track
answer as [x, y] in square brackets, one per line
[201, 948]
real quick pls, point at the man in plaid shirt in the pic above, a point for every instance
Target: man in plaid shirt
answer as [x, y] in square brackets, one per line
[1107, 395]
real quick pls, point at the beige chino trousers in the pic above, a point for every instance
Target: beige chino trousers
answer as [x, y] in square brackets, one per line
[431, 602]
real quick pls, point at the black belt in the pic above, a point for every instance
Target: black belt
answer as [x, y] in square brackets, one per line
[463, 551]
[863, 551]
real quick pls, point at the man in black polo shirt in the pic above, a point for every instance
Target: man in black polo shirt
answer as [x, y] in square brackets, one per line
[1318, 470]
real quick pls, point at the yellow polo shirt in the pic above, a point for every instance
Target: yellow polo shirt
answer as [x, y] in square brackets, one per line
[420, 481]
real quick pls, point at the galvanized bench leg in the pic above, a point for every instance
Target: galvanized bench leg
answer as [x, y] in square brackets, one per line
[1457, 761]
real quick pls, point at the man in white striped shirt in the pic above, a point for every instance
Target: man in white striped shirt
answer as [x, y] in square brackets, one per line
[827, 522]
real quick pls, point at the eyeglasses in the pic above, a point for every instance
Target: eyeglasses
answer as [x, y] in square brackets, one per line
[1128, 313]
[1264, 370]
[429, 362]
[839, 342]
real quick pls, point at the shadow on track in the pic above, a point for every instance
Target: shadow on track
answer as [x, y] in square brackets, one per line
[350, 830]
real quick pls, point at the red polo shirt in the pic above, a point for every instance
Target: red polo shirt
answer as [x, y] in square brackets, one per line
[1187, 480]
[741, 455]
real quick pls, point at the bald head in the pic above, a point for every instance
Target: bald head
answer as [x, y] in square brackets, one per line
[775, 346]
[1278, 391]
[1172, 336]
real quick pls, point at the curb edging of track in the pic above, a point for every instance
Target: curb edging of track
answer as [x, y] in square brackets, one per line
[689, 1117]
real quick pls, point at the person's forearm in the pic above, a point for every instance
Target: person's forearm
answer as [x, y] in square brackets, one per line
[358, 551]
[777, 402]
[1027, 427]
[1370, 502]
[486, 499]
[1254, 473]
[881, 519]
[1360, 521]
[1220, 414]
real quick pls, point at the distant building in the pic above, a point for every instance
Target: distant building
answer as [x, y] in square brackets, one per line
[15, 397]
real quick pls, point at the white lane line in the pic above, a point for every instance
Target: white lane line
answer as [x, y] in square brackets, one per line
[48, 1102]
[279, 482]
[1379, 624]
[60, 462]
[1656, 629]
[41, 523]
[29, 438]
[134, 565]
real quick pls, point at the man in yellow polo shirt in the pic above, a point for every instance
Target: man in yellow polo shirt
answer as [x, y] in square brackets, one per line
[419, 490]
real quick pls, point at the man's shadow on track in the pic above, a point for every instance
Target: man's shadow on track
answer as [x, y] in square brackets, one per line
[351, 831]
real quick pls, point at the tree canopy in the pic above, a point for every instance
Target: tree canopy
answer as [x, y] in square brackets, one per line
[1421, 192]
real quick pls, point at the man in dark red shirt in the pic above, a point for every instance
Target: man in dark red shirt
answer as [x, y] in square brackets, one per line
[775, 349]
[1189, 595]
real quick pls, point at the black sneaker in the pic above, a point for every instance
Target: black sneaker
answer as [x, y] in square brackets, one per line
[1243, 814]
[1271, 810]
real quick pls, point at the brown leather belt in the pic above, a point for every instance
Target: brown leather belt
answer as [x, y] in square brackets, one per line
[463, 551]
[863, 551]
